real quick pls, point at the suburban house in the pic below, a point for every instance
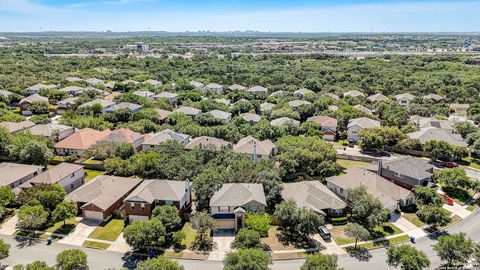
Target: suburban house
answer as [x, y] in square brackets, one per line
[34, 89]
[236, 87]
[301, 93]
[80, 141]
[298, 103]
[69, 176]
[332, 96]
[363, 109]
[377, 98]
[94, 82]
[358, 124]
[221, 115]
[5, 93]
[406, 172]
[404, 99]
[126, 106]
[266, 106]
[284, 122]
[128, 81]
[255, 148]
[328, 124]
[170, 97]
[425, 135]
[251, 118]
[163, 114]
[427, 122]
[125, 135]
[99, 198]
[354, 93]
[198, 85]
[144, 93]
[390, 195]
[188, 110]
[258, 89]
[73, 90]
[314, 195]
[460, 109]
[434, 98]
[56, 132]
[14, 127]
[112, 96]
[66, 104]
[156, 139]
[215, 87]
[206, 142]
[154, 83]
[223, 101]
[73, 79]
[14, 174]
[152, 193]
[106, 105]
[25, 103]
[230, 204]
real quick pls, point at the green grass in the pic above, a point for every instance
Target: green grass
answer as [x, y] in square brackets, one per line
[92, 244]
[190, 235]
[384, 230]
[413, 218]
[63, 229]
[387, 229]
[459, 195]
[90, 174]
[389, 242]
[58, 158]
[474, 163]
[92, 161]
[109, 231]
[346, 164]
[472, 207]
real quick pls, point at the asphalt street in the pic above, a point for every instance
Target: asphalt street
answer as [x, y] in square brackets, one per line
[23, 252]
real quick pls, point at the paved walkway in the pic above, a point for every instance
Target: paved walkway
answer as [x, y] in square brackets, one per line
[120, 245]
[222, 243]
[9, 227]
[80, 234]
[458, 210]
[406, 226]
[330, 247]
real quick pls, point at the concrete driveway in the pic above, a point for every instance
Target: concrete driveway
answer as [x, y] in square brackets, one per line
[222, 243]
[81, 232]
[329, 247]
[457, 210]
[9, 227]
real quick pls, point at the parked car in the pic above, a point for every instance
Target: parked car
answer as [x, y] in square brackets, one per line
[351, 143]
[450, 164]
[324, 233]
[384, 154]
[447, 199]
[369, 152]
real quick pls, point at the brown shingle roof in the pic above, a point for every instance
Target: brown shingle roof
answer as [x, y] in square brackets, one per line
[82, 139]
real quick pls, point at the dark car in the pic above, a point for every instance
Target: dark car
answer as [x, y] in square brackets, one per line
[369, 152]
[324, 233]
[384, 154]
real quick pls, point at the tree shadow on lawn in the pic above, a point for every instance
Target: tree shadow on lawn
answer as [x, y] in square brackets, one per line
[65, 229]
[359, 253]
[27, 239]
[305, 242]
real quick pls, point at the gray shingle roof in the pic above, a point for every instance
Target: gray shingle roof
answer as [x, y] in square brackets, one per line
[257, 89]
[425, 135]
[408, 166]
[406, 96]
[363, 122]
[207, 141]
[238, 194]
[11, 172]
[54, 174]
[188, 110]
[150, 190]
[282, 121]
[164, 136]
[245, 146]
[220, 114]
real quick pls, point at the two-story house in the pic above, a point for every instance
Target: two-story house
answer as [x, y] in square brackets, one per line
[358, 124]
[69, 176]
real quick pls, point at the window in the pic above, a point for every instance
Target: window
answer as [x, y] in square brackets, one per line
[252, 208]
[132, 205]
[167, 202]
[399, 175]
[223, 209]
[143, 206]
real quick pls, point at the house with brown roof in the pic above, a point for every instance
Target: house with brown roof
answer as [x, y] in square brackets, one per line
[328, 124]
[332, 96]
[390, 195]
[155, 192]
[255, 148]
[14, 127]
[80, 141]
[377, 98]
[434, 97]
[69, 176]
[14, 174]
[207, 142]
[125, 135]
[25, 103]
[363, 109]
[100, 197]
[230, 204]
[66, 104]
[163, 114]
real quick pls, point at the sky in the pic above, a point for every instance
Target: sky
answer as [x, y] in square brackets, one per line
[240, 15]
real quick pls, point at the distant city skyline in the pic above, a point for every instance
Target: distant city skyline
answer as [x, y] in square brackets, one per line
[240, 15]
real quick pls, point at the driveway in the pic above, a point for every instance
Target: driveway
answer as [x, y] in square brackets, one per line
[330, 247]
[222, 243]
[81, 232]
[406, 226]
[457, 210]
[9, 227]
[120, 245]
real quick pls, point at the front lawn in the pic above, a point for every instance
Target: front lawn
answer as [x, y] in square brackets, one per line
[385, 243]
[459, 195]
[472, 162]
[472, 207]
[346, 164]
[92, 244]
[387, 229]
[190, 235]
[61, 228]
[413, 218]
[90, 174]
[93, 161]
[273, 240]
[109, 231]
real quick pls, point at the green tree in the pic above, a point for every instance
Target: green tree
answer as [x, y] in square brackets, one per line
[39, 107]
[465, 128]
[31, 217]
[309, 221]
[36, 153]
[72, 259]
[206, 183]
[159, 263]
[6, 195]
[356, 231]
[454, 249]
[434, 215]
[258, 222]
[204, 224]
[366, 209]
[407, 258]
[370, 138]
[287, 214]
[454, 177]
[439, 150]
[4, 139]
[143, 234]
[427, 196]
[4, 249]
[169, 216]
[64, 211]
[321, 262]
[476, 255]
[246, 259]
[36, 265]
[247, 238]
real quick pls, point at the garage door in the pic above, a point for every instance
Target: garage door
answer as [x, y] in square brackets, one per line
[93, 215]
[225, 224]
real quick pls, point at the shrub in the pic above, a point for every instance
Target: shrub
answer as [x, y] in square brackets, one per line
[247, 238]
[258, 222]
[338, 220]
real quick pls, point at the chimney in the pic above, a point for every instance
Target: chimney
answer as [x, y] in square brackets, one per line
[380, 166]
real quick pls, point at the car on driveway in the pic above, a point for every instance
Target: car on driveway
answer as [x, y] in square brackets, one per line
[450, 164]
[447, 199]
[324, 233]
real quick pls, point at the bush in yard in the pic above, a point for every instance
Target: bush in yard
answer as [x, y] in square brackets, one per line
[72, 259]
[407, 257]
[253, 258]
[178, 237]
[258, 222]
[143, 234]
[338, 220]
[320, 262]
[36, 265]
[169, 217]
[204, 224]
[356, 231]
[31, 217]
[366, 210]
[434, 215]
[454, 177]
[427, 196]
[64, 211]
[247, 238]
[4, 249]
[454, 249]
[159, 263]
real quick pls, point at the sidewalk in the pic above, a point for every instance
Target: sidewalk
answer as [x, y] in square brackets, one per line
[406, 226]
[9, 227]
